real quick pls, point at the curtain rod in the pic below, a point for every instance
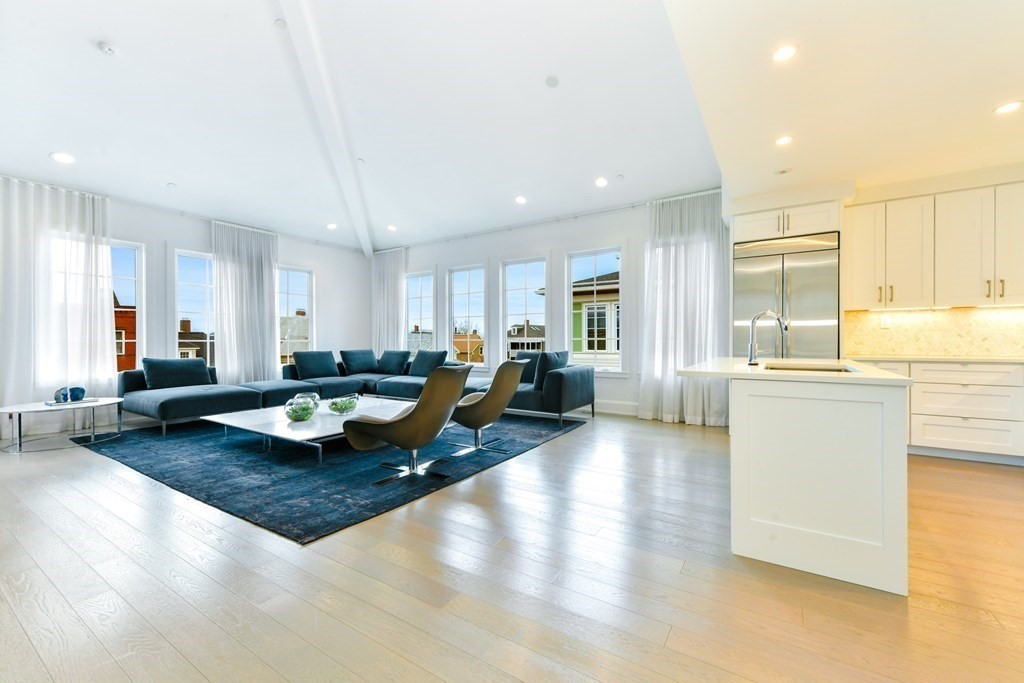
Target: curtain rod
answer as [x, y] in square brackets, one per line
[244, 227]
[54, 187]
[384, 251]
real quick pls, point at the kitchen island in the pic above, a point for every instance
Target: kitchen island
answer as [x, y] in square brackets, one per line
[818, 466]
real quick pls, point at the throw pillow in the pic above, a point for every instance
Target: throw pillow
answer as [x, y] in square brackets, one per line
[359, 361]
[313, 364]
[164, 373]
[425, 361]
[546, 362]
[392, 362]
[530, 371]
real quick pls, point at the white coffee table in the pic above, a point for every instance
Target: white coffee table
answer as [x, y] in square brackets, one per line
[323, 426]
[41, 407]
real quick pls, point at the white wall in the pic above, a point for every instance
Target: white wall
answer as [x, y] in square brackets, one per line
[555, 242]
[341, 310]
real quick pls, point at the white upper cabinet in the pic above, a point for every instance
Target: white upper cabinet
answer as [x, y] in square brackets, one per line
[796, 220]
[1009, 249]
[888, 254]
[862, 248]
[910, 253]
[965, 239]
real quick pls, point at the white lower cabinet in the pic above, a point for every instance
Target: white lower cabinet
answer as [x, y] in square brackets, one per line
[975, 407]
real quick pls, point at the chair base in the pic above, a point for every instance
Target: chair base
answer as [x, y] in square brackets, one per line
[467, 449]
[413, 468]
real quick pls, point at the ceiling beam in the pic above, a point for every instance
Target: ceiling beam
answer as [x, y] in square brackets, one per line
[328, 114]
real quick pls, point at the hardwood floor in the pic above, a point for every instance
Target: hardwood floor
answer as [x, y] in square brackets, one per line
[601, 555]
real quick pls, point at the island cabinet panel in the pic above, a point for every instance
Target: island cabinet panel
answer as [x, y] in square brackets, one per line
[819, 478]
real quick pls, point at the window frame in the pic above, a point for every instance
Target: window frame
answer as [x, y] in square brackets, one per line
[482, 329]
[613, 315]
[545, 339]
[310, 308]
[407, 321]
[212, 314]
[140, 297]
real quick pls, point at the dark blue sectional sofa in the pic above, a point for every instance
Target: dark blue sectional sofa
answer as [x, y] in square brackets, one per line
[177, 389]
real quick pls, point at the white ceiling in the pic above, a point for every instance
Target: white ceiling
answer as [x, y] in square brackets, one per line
[444, 102]
[880, 91]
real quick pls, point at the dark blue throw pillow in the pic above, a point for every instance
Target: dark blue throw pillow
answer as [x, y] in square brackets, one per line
[358, 361]
[546, 362]
[530, 371]
[164, 373]
[392, 362]
[425, 361]
[313, 364]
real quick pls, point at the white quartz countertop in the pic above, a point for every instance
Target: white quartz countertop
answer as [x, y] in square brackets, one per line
[939, 359]
[830, 370]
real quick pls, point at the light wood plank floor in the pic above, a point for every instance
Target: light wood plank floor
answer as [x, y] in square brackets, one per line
[602, 555]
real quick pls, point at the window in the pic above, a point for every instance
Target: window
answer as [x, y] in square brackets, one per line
[595, 309]
[196, 308]
[524, 307]
[294, 294]
[124, 261]
[467, 316]
[419, 298]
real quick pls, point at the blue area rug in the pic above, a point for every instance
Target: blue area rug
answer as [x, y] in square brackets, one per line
[284, 490]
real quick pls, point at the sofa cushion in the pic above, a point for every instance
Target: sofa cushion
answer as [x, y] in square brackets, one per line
[546, 362]
[530, 371]
[191, 401]
[426, 361]
[333, 387]
[313, 364]
[358, 361]
[527, 398]
[276, 392]
[401, 386]
[368, 381]
[165, 373]
[392, 362]
[475, 384]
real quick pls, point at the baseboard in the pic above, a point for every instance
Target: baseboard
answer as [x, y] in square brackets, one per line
[630, 408]
[991, 458]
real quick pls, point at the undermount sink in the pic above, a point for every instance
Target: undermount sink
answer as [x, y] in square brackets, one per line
[807, 367]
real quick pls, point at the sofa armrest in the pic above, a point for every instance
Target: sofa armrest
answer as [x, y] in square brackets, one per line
[289, 371]
[129, 381]
[568, 388]
[213, 374]
[341, 369]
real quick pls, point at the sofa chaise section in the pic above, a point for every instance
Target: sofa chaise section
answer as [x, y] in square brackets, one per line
[182, 402]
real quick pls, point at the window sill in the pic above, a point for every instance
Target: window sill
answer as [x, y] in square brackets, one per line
[611, 374]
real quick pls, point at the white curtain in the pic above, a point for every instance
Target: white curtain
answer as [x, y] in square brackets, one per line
[244, 266]
[686, 310]
[57, 311]
[387, 276]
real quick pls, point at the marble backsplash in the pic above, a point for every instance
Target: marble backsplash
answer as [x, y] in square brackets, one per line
[956, 332]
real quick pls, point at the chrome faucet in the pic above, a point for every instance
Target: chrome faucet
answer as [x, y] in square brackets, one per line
[752, 346]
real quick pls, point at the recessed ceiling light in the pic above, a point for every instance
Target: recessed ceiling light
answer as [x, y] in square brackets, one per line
[280, 23]
[172, 185]
[520, 199]
[332, 226]
[784, 140]
[62, 157]
[392, 228]
[601, 182]
[1008, 107]
[551, 81]
[783, 171]
[784, 53]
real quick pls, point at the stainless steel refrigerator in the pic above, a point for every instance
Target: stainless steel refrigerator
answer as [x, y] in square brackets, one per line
[798, 278]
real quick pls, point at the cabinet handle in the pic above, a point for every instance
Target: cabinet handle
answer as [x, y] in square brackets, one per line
[891, 291]
[879, 293]
[778, 223]
[988, 288]
[787, 222]
[1002, 288]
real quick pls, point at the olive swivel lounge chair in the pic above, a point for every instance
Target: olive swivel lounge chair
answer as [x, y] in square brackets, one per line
[415, 427]
[480, 410]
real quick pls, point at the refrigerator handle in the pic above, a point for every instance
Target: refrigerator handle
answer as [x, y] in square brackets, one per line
[788, 350]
